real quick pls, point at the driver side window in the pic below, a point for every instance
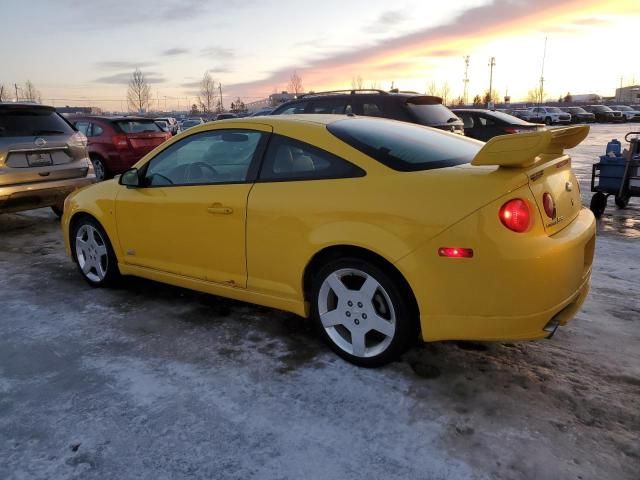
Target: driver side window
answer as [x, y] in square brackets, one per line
[219, 156]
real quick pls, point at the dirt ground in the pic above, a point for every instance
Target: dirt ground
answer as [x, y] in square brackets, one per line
[153, 382]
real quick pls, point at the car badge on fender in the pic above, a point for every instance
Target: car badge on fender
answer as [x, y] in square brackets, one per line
[568, 186]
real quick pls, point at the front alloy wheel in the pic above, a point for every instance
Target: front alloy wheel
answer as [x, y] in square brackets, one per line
[362, 313]
[98, 168]
[94, 254]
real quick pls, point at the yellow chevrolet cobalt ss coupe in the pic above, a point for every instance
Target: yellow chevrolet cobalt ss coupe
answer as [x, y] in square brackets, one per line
[379, 231]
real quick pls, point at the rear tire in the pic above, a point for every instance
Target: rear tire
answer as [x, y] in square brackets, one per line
[622, 201]
[362, 312]
[93, 253]
[548, 121]
[598, 204]
[99, 168]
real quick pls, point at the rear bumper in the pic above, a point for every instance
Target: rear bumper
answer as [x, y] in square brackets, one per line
[27, 196]
[510, 290]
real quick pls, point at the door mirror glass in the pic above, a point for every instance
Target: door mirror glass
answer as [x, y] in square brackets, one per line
[130, 178]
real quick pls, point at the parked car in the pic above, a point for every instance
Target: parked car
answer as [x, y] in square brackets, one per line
[371, 227]
[172, 124]
[605, 114]
[42, 158]
[261, 112]
[549, 115]
[407, 107]
[522, 113]
[630, 114]
[485, 124]
[116, 143]
[163, 125]
[226, 116]
[191, 122]
[579, 115]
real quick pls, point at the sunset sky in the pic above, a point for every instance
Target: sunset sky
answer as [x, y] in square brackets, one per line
[79, 52]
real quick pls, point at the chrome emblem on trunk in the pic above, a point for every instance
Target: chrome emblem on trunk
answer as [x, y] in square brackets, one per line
[40, 142]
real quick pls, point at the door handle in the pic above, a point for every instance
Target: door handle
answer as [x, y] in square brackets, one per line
[217, 208]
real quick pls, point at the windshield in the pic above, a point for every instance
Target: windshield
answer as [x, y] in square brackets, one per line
[505, 117]
[577, 110]
[138, 126]
[622, 108]
[554, 110]
[433, 114]
[405, 146]
[601, 108]
[18, 121]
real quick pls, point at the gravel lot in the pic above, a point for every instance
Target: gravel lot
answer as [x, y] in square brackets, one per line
[153, 382]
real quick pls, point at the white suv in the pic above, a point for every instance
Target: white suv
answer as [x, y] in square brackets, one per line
[549, 115]
[631, 114]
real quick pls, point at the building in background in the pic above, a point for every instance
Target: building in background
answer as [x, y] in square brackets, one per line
[628, 95]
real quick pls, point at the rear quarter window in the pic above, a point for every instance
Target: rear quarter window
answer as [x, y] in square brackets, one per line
[405, 146]
[32, 122]
[138, 126]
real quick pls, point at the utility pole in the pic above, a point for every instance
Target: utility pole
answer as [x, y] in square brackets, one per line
[544, 57]
[16, 87]
[465, 81]
[492, 63]
[221, 105]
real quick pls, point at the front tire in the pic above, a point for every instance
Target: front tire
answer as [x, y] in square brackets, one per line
[93, 253]
[362, 312]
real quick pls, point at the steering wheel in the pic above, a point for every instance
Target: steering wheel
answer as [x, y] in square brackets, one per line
[200, 165]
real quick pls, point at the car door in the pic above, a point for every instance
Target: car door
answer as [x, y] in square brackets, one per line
[470, 128]
[487, 127]
[188, 216]
[300, 187]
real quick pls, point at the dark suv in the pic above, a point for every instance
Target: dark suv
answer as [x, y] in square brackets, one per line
[404, 106]
[42, 158]
[116, 143]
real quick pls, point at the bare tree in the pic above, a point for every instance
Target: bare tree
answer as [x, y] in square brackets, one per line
[208, 93]
[477, 100]
[444, 92]
[139, 92]
[31, 93]
[4, 95]
[535, 95]
[357, 83]
[295, 84]
[374, 85]
[432, 88]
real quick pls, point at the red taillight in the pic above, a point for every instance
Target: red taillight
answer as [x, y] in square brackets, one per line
[549, 205]
[512, 130]
[515, 215]
[120, 142]
[455, 252]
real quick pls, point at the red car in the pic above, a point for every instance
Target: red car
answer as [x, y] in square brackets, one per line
[116, 143]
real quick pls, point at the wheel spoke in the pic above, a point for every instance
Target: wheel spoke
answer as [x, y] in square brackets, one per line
[369, 288]
[86, 267]
[101, 250]
[331, 319]
[335, 282]
[357, 342]
[381, 325]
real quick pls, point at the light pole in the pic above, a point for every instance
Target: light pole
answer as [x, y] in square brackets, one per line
[492, 63]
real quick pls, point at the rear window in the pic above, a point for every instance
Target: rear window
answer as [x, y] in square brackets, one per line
[138, 126]
[32, 122]
[432, 114]
[505, 117]
[405, 146]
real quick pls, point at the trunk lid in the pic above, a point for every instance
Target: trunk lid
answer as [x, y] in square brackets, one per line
[556, 177]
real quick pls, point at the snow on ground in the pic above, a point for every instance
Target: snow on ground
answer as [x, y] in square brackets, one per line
[154, 382]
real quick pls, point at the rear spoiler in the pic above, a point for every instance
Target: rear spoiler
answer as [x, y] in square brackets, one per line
[523, 150]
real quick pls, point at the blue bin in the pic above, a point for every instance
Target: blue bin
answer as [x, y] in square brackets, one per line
[611, 173]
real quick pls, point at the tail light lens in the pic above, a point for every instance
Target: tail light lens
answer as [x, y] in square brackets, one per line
[512, 130]
[515, 215]
[549, 205]
[78, 140]
[120, 142]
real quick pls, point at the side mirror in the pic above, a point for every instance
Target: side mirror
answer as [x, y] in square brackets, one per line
[130, 178]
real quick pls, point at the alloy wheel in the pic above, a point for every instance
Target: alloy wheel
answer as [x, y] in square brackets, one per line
[356, 312]
[91, 252]
[98, 168]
